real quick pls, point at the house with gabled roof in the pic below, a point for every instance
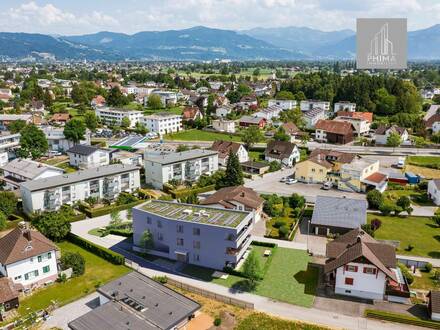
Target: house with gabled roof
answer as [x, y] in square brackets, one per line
[359, 266]
[432, 118]
[285, 153]
[383, 132]
[332, 131]
[225, 147]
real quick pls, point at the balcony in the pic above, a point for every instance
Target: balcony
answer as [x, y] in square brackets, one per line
[235, 252]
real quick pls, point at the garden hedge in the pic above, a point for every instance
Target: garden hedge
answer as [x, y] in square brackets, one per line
[400, 318]
[120, 232]
[109, 255]
[77, 217]
[93, 213]
[187, 192]
[265, 244]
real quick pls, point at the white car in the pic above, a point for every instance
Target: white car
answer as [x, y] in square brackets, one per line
[283, 179]
[291, 181]
[327, 185]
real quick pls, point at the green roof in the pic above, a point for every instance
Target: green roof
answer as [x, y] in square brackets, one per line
[195, 213]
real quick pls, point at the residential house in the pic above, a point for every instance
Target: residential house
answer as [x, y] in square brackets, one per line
[361, 175]
[167, 98]
[98, 101]
[434, 305]
[313, 170]
[236, 198]
[9, 293]
[332, 131]
[339, 215]
[37, 106]
[221, 101]
[344, 106]
[248, 102]
[222, 125]
[60, 118]
[135, 301]
[181, 166]
[360, 126]
[293, 131]
[282, 152]
[105, 182]
[262, 89]
[434, 191]
[247, 121]
[311, 117]
[224, 148]
[84, 156]
[223, 111]
[432, 118]
[58, 142]
[383, 132]
[6, 119]
[5, 95]
[269, 113]
[163, 123]
[283, 104]
[359, 266]
[115, 116]
[119, 156]
[367, 116]
[307, 105]
[191, 114]
[8, 142]
[20, 170]
[204, 236]
[28, 258]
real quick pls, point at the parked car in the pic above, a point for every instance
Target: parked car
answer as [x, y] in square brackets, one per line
[400, 163]
[283, 179]
[327, 185]
[291, 181]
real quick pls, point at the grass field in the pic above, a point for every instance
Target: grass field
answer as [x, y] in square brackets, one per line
[98, 272]
[421, 232]
[428, 173]
[426, 282]
[417, 197]
[66, 167]
[264, 321]
[173, 110]
[426, 161]
[199, 135]
[288, 278]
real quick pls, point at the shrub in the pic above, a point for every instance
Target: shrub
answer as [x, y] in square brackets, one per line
[53, 225]
[436, 219]
[264, 244]
[279, 223]
[428, 267]
[75, 261]
[375, 199]
[284, 231]
[217, 321]
[3, 223]
[386, 208]
[161, 279]
[406, 273]
[375, 224]
[368, 229]
[125, 198]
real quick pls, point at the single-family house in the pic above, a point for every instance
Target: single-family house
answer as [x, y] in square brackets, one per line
[359, 266]
[191, 114]
[98, 101]
[311, 117]
[367, 116]
[283, 104]
[292, 130]
[9, 293]
[286, 153]
[434, 305]
[362, 174]
[225, 147]
[332, 131]
[434, 191]
[224, 125]
[383, 132]
[360, 126]
[223, 111]
[432, 118]
[83, 156]
[344, 106]
[257, 168]
[248, 102]
[247, 121]
[37, 106]
[60, 118]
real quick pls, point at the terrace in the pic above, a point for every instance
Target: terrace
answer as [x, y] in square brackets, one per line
[195, 213]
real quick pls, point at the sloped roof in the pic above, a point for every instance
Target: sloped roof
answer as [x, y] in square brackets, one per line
[320, 161]
[190, 112]
[290, 128]
[382, 129]
[27, 168]
[82, 149]
[279, 149]
[8, 290]
[20, 244]
[224, 147]
[241, 194]
[60, 117]
[338, 156]
[368, 116]
[435, 301]
[333, 126]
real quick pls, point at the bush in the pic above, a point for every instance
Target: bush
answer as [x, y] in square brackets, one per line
[428, 267]
[161, 279]
[386, 208]
[406, 273]
[368, 229]
[401, 318]
[109, 255]
[3, 223]
[217, 321]
[75, 261]
[375, 199]
[284, 231]
[375, 224]
[264, 244]
[93, 213]
[125, 198]
[177, 194]
[279, 223]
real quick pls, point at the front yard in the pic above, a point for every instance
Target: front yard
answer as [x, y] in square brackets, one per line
[419, 198]
[200, 135]
[420, 232]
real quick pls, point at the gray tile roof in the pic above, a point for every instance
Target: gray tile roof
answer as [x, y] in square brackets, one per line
[339, 212]
[180, 156]
[28, 168]
[85, 175]
[82, 149]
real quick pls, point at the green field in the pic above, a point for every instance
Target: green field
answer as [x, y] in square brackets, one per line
[173, 110]
[417, 197]
[98, 272]
[421, 232]
[424, 161]
[264, 321]
[66, 167]
[199, 135]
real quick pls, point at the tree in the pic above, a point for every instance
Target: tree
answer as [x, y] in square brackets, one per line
[233, 96]
[16, 126]
[116, 219]
[140, 128]
[53, 225]
[375, 199]
[154, 101]
[436, 220]
[91, 121]
[3, 221]
[251, 135]
[404, 202]
[252, 268]
[8, 203]
[285, 95]
[146, 240]
[75, 261]
[394, 140]
[281, 135]
[33, 142]
[75, 130]
[125, 122]
[386, 208]
[182, 147]
[234, 172]
[115, 98]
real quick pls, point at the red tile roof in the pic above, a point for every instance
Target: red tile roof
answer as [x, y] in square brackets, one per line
[368, 116]
[336, 127]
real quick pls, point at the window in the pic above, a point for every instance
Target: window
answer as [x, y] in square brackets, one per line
[370, 270]
[351, 268]
[348, 281]
[196, 257]
[149, 220]
[49, 255]
[46, 269]
[196, 231]
[159, 224]
[17, 277]
[196, 244]
[180, 228]
[159, 236]
[40, 258]
[179, 242]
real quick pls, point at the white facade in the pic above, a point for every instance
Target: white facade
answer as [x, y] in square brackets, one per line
[33, 271]
[311, 117]
[223, 111]
[224, 125]
[288, 161]
[345, 106]
[58, 142]
[162, 123]
[283, 104]
[111, 115]
[269, 113]
[436, 127]
[383, 138]
[307, 105]
[434, 191]
[370, 285]
[361, 126]
[166, 97]
[98, 158]
[242, 154]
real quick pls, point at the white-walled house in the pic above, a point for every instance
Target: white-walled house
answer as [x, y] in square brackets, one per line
[223, 111]
[225, 147]
[307, 105]
[28, 258]
[285, 153]
[434, 191]
[182, 166]
[383, 132]
[344, 106]
[162, 123]
[362, 267]
[115, 116]
[105, 182]
[311, 117]
[84, 156]
[283, 104]
[58, 142]
[222, 125]
[269, 113]
[361, 126]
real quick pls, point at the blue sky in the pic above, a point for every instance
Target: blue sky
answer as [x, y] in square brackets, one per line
[130, 16]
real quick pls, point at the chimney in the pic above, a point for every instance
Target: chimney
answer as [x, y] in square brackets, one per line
[27, 234]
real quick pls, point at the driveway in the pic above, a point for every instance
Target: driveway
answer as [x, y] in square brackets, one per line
[315, 244]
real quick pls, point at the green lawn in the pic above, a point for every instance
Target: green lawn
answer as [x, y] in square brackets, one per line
[427, 281]
[199, 135]
[66, 167]
[426, 161]
[265, 321]
[288, 277]
[98, 272]
[421, 232]
[177, 110]
[256, 156]
[417, 197]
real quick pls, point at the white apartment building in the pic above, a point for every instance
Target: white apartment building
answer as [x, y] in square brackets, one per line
[83, 156]
[167, 98]
[283, 104]
[113, 115]
[182, 166]
[162, 123]
[224, 125]
[307, 105]
[344, 106]
[269, 113]
[7, 143]
[105, 182]
[58, 142]
[311, 117]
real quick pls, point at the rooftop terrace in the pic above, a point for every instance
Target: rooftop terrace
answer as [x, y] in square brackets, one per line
[195, 213]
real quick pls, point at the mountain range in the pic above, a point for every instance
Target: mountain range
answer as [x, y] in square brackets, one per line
[202, 43]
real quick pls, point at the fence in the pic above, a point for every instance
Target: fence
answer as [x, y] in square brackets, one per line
[411, 262]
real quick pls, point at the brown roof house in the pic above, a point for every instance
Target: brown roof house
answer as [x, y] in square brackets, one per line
[225, 147]
[28, 258]
[383, 132]
[359, 266]
[8, 295]
[282, 152]
[432, 118]
[434, 305]
[60, 118]
[331, 131]
[191, 114]
[237, 198]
